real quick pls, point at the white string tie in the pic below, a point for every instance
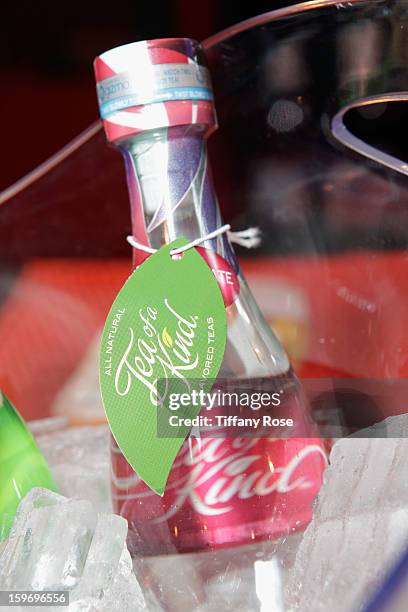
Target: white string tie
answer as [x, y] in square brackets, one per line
[248, 238]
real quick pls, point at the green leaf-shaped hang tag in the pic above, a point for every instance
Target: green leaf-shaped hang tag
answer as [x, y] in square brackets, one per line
[165, 332]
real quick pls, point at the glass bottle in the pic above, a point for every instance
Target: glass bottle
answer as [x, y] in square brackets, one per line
[156, 103]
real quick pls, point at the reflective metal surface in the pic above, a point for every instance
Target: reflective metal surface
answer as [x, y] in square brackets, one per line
[285, 88]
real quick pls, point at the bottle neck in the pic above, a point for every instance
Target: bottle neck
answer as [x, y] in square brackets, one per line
[171, 189]
[172, 196]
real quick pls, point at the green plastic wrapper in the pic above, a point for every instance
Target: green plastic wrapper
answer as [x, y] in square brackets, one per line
[22, 466]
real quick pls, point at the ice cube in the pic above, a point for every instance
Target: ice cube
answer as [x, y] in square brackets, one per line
[41, 427]
[86, 446]
[268, 581]
[79, 461]
[48, 543]
[62, 544]
[81, 483]
[359, 526]
[124, 594]
[103, 555]
[392, 427]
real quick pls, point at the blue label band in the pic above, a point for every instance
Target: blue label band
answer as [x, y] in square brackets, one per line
[159, 83]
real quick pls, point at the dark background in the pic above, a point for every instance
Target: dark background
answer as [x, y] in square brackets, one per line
[46, 53]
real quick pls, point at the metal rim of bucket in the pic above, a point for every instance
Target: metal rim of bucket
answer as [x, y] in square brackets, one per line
[346, 138]
[287, 11]
[339, 130]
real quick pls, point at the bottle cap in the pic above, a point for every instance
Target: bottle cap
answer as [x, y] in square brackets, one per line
[152, 84]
